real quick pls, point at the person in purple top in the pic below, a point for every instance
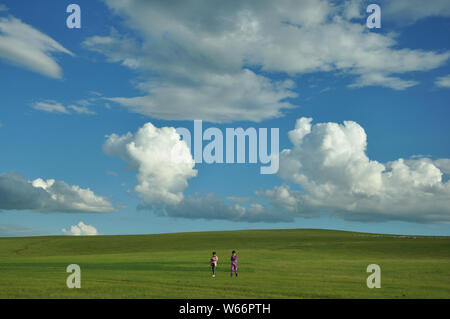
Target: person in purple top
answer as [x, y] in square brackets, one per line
[234, 263]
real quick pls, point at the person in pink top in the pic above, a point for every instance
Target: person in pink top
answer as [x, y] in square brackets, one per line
[234, 263]
[213, 262]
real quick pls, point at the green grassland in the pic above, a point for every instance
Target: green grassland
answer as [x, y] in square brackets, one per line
[272, 264]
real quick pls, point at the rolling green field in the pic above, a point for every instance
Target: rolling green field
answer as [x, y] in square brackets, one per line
[272, 264]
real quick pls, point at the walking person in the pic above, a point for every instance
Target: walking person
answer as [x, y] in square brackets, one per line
[234, 263]
[213, 262]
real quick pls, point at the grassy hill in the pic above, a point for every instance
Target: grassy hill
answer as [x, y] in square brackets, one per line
[272, 264]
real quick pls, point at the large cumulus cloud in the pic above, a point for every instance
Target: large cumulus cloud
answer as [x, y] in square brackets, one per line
[163, 161]
[334, 175]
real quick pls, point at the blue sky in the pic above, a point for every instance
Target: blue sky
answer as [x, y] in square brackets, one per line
[64, 91]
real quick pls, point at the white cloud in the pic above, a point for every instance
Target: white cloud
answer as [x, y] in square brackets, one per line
[17, 193]
[3, 7]
[23, 45]
[244, 96]
[443, 81]
[81, 229]
[443, 164]
[334, 174]
[410, 11]
[81, 110]
[383, 80]
[50, 107]
[212, 206]
[56, 107]
[199, 61]
[190, 90]
[164, 162]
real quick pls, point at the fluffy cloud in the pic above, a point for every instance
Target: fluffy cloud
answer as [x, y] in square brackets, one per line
[330, 164]
[81, 229]
[55, 107]
[23, 45]
[443, 81]
[187, 89]
[17, 193]
[443, 164]
[222, 98]
[164, 162]
[213, 61]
